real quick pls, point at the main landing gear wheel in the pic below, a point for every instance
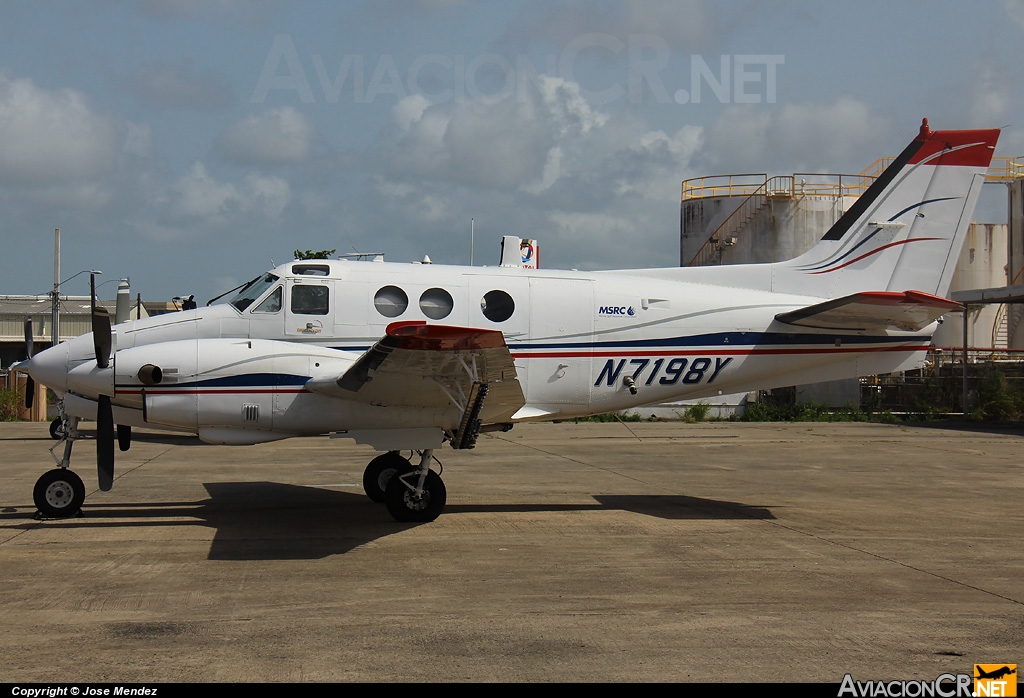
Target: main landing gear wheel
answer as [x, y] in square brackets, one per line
[379, 473]
[59, 493]
[57, 429]
[405, 506]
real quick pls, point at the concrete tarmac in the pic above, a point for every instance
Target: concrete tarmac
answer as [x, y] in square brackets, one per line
[567, 552]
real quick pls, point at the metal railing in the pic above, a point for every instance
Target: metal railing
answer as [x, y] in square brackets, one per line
[1002, 169]
[1005, 169]
[757, 188]
[796, 184]
[722, 185]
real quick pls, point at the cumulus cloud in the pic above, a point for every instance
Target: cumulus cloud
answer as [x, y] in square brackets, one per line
[991, 91]
[485, 142]
[652, 167]
[180, 87]
[282, 136]
[796, 135]
[412, 202]
[548, 163]
[1015, 11]
[48, 137]
[138, 139]
[198, 195]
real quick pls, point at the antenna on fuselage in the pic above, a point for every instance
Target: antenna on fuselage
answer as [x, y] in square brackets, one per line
[362, 256]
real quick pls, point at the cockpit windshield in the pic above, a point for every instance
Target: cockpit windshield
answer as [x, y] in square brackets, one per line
[253, 290]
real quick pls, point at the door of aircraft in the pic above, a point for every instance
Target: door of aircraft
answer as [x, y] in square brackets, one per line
[561, 331]
[309, 309]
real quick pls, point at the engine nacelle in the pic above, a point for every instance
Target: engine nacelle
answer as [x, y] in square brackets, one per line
[219, 383]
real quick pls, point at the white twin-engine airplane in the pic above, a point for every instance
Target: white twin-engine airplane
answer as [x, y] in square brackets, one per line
[406, 357]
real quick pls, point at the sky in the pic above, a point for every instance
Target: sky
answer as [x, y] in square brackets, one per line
[191, 144]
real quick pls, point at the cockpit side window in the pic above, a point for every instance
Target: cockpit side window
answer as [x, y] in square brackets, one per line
[310, 300]
[253, 290]
[272, 304]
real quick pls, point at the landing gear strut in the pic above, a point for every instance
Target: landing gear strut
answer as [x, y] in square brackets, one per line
[418, 494]
[59, 493]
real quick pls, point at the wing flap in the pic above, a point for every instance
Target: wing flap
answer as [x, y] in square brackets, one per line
[430, 366]
[908, 311]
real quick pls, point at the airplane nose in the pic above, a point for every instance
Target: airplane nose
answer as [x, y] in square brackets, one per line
[50, 367]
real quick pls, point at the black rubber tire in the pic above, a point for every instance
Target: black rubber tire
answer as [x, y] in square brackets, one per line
[57, 429]
[405, 508]
[380, 471]
[59, 493]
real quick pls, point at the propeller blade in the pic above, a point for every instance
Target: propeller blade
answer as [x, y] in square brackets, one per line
[100, 329]
[29, 339]
[105, 443]
[30, 385]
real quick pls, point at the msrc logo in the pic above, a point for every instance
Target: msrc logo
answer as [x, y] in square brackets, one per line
[995, 680]
[621, 310]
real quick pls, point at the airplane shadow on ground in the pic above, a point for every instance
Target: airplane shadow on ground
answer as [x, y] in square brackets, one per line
[275, 521]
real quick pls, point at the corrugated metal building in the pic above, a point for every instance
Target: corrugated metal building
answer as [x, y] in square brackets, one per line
[75, 320]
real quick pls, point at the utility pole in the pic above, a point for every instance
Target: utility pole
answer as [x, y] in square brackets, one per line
[55, 294]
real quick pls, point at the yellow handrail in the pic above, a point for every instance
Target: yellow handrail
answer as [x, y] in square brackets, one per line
[1005, 169]
[1002, 169]
[722, 185]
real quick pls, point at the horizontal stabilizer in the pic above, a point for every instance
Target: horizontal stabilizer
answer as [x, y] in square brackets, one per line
[909, 311]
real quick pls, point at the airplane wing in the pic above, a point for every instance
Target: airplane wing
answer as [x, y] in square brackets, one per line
[434, 367]
[873, 310]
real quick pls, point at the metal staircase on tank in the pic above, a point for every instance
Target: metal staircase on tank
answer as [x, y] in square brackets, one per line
[1008, 317]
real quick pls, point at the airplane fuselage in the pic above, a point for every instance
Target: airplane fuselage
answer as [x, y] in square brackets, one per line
[582, 342]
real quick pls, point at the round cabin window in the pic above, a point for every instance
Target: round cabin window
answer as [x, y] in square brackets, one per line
[391, 301]
[497, 306]
[436, 303]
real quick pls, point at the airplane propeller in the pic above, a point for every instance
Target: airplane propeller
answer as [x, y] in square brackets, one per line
[105, 443]
[30, 384]
[101, 337]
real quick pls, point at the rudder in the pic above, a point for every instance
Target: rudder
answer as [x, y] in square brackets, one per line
[905, 232]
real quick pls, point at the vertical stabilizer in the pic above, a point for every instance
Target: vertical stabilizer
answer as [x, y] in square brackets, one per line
[905, 232]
